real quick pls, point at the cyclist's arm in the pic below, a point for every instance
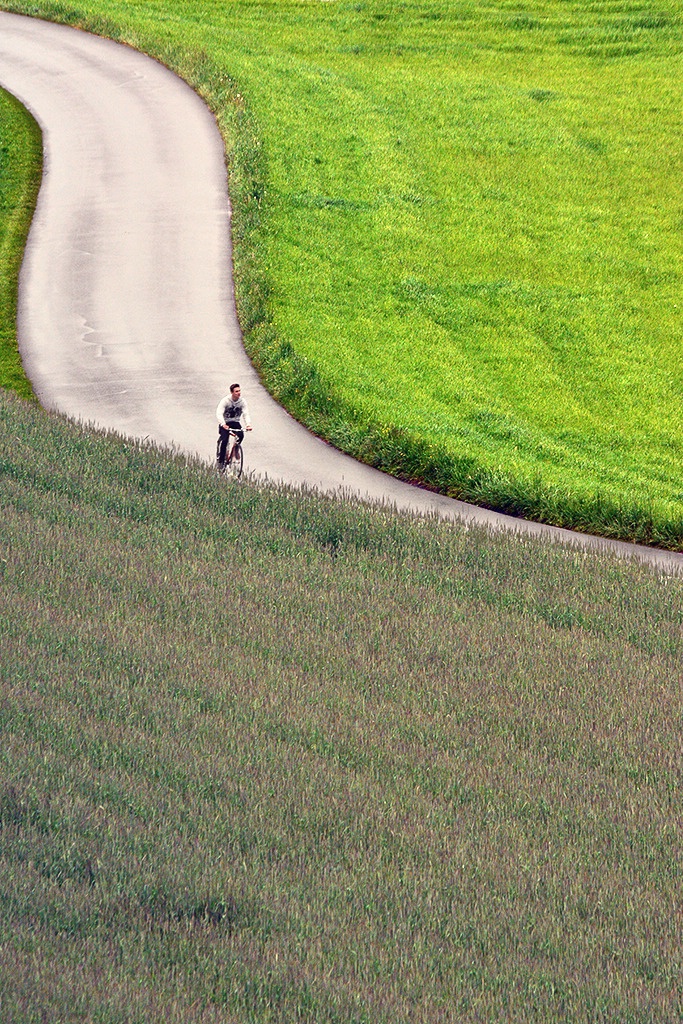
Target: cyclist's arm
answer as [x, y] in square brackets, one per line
[220, 411]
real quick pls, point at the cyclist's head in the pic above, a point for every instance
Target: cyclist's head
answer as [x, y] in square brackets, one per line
[234, 388]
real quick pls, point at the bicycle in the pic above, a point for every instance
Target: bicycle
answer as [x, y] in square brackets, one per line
[234, 457]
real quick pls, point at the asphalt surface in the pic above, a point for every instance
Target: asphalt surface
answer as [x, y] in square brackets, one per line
[126, 305]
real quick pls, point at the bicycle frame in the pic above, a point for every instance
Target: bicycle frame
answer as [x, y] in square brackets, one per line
[234, 456]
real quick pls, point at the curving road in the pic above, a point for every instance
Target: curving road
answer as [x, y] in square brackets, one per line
[126, 309]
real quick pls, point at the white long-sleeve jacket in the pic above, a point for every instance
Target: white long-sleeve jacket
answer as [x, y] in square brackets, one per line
[228, 409]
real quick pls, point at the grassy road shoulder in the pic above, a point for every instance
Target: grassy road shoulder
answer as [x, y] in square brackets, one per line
[20, 171]
[433, 776]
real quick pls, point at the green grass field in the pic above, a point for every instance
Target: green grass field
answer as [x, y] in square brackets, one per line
[271, 758]
[20, 168]
[457, 234]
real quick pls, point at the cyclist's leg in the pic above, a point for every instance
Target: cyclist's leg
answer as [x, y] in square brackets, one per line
[223, 438]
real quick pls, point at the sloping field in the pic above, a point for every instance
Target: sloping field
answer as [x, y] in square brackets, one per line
[457, 233]
[268, 757]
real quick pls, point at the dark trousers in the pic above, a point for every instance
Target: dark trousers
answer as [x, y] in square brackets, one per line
[224, 436]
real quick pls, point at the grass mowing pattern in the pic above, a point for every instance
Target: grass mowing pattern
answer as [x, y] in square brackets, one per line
[457, 235]
[20, 168]
[266, 757]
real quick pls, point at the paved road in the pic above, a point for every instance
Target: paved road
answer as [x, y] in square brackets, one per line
[126, 308]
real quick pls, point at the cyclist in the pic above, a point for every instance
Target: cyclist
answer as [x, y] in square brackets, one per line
[230, 412]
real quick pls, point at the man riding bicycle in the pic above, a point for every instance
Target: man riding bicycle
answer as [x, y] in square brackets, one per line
[230, 412]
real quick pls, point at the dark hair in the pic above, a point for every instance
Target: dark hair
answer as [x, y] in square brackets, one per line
[232, 387]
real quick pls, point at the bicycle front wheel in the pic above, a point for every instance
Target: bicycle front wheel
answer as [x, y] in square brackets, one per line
[233, 466]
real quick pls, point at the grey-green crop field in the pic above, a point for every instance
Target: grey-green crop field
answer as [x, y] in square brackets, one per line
[457, 234]
[267, 757]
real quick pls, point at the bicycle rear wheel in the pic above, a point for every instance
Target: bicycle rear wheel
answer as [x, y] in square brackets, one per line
[233, 466]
